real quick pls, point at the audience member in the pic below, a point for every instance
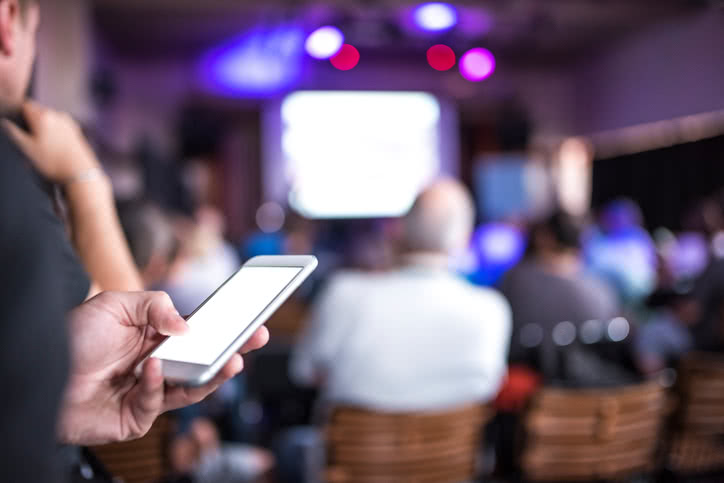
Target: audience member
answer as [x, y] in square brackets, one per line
[620, 235]
[204, 259]
[441, 342]
[414, 338]
[200, 456]
[151, 239]
[551, 297]
[68, 381]
[666, 336]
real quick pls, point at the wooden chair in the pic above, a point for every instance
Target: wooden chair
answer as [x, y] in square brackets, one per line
[573, 434]
[287, 321]
[139, 461]
[697, 434]
[365, 446]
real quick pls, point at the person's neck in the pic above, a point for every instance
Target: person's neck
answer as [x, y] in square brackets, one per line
[425, 259]
[565, 264]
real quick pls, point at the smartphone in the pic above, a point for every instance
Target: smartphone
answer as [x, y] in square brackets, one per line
[228, 318]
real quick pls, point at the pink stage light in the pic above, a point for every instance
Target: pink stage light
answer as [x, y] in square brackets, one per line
[477, 64]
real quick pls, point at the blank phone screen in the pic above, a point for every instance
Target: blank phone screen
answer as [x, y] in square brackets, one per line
[225, 315]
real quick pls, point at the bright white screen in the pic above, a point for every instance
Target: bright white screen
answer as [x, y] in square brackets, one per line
[225, 315]
[358, 153]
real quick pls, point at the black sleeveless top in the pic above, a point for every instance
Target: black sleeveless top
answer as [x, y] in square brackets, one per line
[41, 278]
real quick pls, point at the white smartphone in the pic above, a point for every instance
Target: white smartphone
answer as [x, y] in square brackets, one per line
[228, 318]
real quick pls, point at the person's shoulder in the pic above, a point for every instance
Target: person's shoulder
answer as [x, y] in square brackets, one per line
[591, 284]
[346, 282]
[489, 299]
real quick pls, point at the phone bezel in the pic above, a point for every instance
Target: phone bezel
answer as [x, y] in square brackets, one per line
[192, 374]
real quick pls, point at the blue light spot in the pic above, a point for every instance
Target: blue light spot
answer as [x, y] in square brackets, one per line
[258, 63]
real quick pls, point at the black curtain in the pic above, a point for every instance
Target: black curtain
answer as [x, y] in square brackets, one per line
[666, 182]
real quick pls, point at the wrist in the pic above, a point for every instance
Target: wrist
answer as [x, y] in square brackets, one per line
[88, 190]
[75, 162]
[85, 175]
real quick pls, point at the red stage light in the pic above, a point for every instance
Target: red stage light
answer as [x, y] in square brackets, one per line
[346, 59]
[440, 57]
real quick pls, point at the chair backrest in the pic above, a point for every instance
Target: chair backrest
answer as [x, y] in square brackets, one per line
[697, 436]
[701, 389]
[143, 460]
[573, 434]
[368, 446]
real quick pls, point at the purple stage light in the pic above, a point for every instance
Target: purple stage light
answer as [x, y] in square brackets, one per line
[477, 64]
[499, 244]
[495, 248]
[324, 42]
[435, 16]
[262, 62]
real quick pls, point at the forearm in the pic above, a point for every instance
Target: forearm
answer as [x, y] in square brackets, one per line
[98, 237]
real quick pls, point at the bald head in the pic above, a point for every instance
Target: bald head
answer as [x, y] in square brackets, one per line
[441, 219]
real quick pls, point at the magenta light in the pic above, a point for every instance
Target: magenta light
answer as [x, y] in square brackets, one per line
[435, 16]
[477, 64]
[324, 42]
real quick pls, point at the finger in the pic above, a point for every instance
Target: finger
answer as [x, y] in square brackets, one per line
[157, 310]
[145, 399]
[180, 396]
[33, 113]
[256, 341]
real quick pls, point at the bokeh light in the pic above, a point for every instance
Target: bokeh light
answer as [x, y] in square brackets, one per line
[477, 64]
[497, 247]
[618, 329]
[531, 335]
[261, 62]
[564, 333]
[591, 331]
[499, 243]
[270, 217]
[324, 42]
[440, 57]
[435, 16]
[346, 59]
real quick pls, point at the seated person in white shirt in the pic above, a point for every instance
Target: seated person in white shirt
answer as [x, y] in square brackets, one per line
[415, 338]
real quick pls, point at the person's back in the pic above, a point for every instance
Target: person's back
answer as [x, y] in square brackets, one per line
[538, 296]
[555, 304]
[443, 340]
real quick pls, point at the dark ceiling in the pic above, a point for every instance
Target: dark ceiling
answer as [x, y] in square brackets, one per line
[529, 30]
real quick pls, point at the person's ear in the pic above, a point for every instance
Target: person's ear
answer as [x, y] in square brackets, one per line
[9, 15]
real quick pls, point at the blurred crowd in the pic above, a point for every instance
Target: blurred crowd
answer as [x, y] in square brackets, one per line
[467, 298]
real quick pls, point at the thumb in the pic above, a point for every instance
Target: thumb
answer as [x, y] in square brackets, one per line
[161, 314]
[21, 138]
[145, 400]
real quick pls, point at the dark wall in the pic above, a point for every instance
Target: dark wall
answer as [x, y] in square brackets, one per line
[665, 182]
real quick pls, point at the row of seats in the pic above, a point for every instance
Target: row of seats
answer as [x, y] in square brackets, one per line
[568, 435]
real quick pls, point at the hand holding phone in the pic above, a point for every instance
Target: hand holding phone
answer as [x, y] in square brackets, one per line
[225, 320]
[104, 400]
